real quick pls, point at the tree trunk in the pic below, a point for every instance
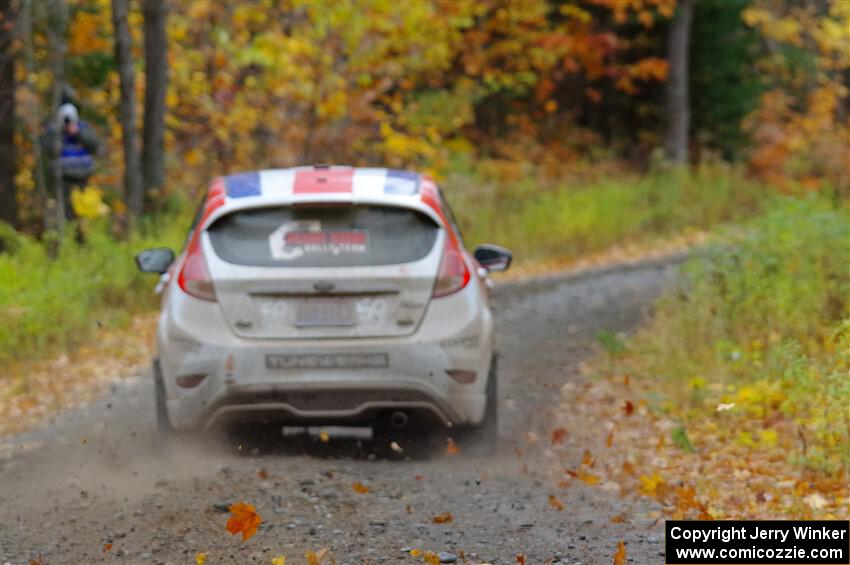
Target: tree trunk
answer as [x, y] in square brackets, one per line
[8, 195]
[156, 83]
[133, 194]
[676, 88]
[57, 42]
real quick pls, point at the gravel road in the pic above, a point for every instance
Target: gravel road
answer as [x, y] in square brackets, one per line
[93, 478]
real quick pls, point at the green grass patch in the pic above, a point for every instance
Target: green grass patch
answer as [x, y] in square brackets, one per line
[49, 305]
[756, 337]
[541, 219]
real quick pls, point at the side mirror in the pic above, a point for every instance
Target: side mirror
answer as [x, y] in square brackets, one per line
[155, 260]
[493, 258]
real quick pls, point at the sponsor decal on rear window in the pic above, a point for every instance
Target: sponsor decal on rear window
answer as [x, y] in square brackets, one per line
[298, 238]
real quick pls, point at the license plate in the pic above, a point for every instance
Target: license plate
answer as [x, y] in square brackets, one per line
[324, 312]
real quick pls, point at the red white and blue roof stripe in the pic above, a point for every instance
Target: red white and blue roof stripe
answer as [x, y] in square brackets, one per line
[360, 182]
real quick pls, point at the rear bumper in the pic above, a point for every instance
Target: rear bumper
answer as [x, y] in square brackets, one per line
[241, 384]
[329, 405]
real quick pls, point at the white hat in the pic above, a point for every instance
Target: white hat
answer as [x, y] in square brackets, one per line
[67, 112]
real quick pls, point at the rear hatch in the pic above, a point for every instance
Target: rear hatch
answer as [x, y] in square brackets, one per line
[335, 271]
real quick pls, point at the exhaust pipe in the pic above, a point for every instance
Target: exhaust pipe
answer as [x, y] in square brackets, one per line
[398, 419]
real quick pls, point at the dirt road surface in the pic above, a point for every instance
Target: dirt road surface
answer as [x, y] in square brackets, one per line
[93, 478]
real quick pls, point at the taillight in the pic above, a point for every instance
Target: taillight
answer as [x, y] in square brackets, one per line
[194, 278]
[454, 275]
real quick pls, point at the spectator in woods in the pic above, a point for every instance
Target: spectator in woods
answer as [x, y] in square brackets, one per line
[76, 150]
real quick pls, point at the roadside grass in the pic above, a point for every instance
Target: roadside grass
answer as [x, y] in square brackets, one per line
[50, 306]
[540, 219]
[742, 377]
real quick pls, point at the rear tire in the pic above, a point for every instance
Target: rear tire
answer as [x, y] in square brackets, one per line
[484, 438]
[164, 434]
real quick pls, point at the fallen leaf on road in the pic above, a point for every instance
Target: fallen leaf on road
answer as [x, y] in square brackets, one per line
[555, 503]
[200, 558]
[324, 437]
[315, 558]
[651, 485]
[558, 435]
[415, 552]
[620, 555]
[587, 459]
[244, 519]
[263, 474]
[618, 519]
[431, 558]
[520, 559]
[281, 560]
[360, 488]
[107, 547]
[451, 447]
[628, 408]
[609, 441]
[443, 518]
[588, 478]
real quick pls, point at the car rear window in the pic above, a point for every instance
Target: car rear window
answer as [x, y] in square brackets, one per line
[323, 236]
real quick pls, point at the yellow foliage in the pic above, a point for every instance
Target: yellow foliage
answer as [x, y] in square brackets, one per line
[88, 203]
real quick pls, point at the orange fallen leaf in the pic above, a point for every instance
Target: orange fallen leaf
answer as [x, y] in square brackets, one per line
[443, 518]
[628, 408]
[558, 435]
[419, 477]
[620, 555]
[555, 503]
[263, 474]
[628, 468]
[360, 488]
[587, 459]
[244, 519]
[609, 441]
[107, 547]
[588, 478]
[618, 519]
[408, 509]
[431, 558]
[36, 561]
[415, 552]
[451, 447]
[520, 559]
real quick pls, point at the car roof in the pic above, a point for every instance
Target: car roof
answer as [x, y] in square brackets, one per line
[323, 184]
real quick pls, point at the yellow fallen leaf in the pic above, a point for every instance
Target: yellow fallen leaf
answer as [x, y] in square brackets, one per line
[415, 552]
[432, 558]
[200, 558]
[324, 437]
[315, 558]
[281, 560]
[360, 488]
[650, 485]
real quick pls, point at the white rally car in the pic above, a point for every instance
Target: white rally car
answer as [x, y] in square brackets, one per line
[326, 296]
